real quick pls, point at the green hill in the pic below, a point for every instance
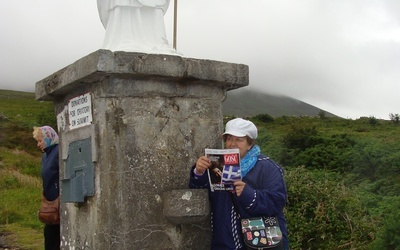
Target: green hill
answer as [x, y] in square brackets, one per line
[249, 102]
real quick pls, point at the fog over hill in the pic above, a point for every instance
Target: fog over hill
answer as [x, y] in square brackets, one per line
[249, 102]
[246, 102]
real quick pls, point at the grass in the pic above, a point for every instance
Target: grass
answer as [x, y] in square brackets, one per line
[20, 163]
[23, 238]
[19, 202]
[21, 108]
[20, 194]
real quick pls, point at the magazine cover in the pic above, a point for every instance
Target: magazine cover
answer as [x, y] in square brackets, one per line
[225, 168]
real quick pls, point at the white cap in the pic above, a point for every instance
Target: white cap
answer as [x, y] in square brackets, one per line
[240, 127]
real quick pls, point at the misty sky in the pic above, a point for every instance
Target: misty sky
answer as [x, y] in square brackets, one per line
[342, 56]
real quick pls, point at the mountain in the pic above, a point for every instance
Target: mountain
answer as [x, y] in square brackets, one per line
[242, 102]
[249, 102]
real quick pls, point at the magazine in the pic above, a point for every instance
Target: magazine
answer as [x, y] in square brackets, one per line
[225, 168]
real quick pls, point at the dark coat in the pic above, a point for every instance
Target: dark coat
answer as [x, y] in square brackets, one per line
[264, 195]
[50, 172]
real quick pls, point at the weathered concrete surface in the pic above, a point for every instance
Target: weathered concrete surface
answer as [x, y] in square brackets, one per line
[183, 206]
[153, 115]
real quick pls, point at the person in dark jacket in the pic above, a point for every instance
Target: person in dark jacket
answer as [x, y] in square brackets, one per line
[47, 142]
[261, 192]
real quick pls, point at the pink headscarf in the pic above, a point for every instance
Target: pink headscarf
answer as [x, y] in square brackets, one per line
[50, 136]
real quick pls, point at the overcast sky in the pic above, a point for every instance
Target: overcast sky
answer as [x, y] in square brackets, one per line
[342, 56]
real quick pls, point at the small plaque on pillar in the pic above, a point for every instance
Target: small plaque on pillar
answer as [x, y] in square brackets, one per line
[80, 111]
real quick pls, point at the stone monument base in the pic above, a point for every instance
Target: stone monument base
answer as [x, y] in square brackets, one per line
[131, 125]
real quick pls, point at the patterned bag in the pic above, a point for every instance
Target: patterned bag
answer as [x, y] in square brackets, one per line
[262, 233]
[49, 212]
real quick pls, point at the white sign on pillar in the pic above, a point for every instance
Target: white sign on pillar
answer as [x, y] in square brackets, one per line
[80, 111]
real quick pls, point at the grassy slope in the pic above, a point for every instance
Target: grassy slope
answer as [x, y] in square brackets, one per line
[20, 160]
[20, 184]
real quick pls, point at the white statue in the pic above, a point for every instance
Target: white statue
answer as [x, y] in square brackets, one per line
[135, 25]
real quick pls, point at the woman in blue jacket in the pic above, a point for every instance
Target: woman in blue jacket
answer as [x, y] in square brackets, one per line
[261, 192]
[47, 142]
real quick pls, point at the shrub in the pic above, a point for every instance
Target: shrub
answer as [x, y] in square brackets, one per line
[373, 121]
[388, 237]
[306, 146]
[322, 114]
[264, 118]
[367, 158]
[322, 213]
[395, 118]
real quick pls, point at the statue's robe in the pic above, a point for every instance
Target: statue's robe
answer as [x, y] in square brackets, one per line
[134, 25]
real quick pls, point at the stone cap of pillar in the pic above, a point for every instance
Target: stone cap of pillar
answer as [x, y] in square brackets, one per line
[105, 63]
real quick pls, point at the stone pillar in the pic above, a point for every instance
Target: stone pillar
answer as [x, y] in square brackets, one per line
[124, 168]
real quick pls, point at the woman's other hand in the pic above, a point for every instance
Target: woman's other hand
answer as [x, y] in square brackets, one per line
[202, 164]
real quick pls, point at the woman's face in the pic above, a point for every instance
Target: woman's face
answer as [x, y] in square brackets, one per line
[241, 143]
[40, 143]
